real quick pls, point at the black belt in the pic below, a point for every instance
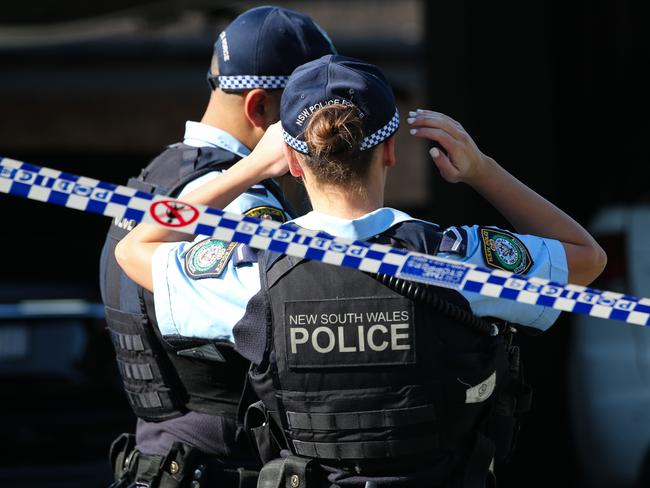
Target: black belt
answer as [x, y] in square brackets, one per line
[182, 467]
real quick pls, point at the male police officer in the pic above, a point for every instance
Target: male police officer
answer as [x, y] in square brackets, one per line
[185, 385]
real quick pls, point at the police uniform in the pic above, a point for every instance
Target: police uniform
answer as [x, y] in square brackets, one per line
[183, 380]
[367, 378]
[374, 385]
[184, 386]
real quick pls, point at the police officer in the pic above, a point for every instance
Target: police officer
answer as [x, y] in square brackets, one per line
[182, 379]
[366, 379]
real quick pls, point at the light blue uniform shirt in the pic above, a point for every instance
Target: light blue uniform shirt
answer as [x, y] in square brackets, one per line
[203, 301]
[205, 308]
[548, 256]
[549, 262]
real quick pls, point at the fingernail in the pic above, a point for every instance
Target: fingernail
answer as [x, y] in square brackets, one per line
[413, 114]
[410, 120]
[413, 131]
[435, 152]
[420, 110]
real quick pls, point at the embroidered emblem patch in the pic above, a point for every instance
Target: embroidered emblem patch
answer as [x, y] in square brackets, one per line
[482, 391]
[502, 250]
[208, 258]
[264, 212]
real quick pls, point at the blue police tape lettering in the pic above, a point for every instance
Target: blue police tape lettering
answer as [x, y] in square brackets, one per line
[608, 302]
[63, 186]
[338, 247]
[7, 173]
[264, 232]
[568, 294]
[82, 190]
[103, 195]
[320, 243]
[357, 251]
[624, 305]
[536, 288]
[283, 235]
[25, 176]
[515, 283]
[586, 297]
[300, 239]
[246, 227]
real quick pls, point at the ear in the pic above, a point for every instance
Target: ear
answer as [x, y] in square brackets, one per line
[294, 166]
[255, 109]
[389, 152]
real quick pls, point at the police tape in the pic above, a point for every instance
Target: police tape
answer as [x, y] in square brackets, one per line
[94, 196]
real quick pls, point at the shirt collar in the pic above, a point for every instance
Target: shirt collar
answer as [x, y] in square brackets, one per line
[198, 134]
[362, 228]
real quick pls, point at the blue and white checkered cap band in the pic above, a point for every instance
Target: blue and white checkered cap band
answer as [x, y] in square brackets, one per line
[298, 145]
[249, 82]
[89, 195]
[368, 142]
[382, 134]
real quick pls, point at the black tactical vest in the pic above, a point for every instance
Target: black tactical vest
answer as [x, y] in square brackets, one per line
[359, 376]
[164, 379]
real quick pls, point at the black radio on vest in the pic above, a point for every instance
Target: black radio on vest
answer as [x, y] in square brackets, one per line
[373, 384]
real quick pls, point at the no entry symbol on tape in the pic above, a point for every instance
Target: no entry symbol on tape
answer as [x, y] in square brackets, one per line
[172, 213]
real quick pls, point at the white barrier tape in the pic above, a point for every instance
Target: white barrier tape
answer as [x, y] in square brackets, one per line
[89, 195]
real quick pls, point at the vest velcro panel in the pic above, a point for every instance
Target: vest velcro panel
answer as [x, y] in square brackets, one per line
[136, 353]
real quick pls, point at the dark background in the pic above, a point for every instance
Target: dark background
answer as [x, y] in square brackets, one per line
[553, 90]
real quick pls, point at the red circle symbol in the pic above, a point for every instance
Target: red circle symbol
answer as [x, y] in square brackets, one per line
[172, 213]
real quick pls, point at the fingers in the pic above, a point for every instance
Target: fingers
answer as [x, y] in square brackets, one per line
[441, 157]
[446, 141]
[447, 169]
[431, 119]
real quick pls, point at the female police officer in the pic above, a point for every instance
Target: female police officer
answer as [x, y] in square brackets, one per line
[373, 379]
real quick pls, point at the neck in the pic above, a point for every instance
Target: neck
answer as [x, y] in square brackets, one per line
[230, 119]
[339, 202]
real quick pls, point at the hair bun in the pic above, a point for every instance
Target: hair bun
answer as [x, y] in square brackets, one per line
[333, 130]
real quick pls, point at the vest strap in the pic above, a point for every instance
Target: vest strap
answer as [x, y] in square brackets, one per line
[366, 449]
[280, 267]
[189, 158]
[376, 419]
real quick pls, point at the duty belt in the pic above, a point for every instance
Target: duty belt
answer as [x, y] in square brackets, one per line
[182, 467]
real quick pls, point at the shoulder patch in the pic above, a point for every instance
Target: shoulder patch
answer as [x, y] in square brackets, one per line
[208, 258]
[454, 240]
[265, 212]
[502, 250]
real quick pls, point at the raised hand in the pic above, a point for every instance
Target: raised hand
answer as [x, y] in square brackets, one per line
[461, 160]
[268, 155]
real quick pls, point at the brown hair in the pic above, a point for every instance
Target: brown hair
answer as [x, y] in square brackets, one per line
[334, 135]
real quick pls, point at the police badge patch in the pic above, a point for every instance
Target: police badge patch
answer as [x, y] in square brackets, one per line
[502, 250]
[208, 258]
[265, 212]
